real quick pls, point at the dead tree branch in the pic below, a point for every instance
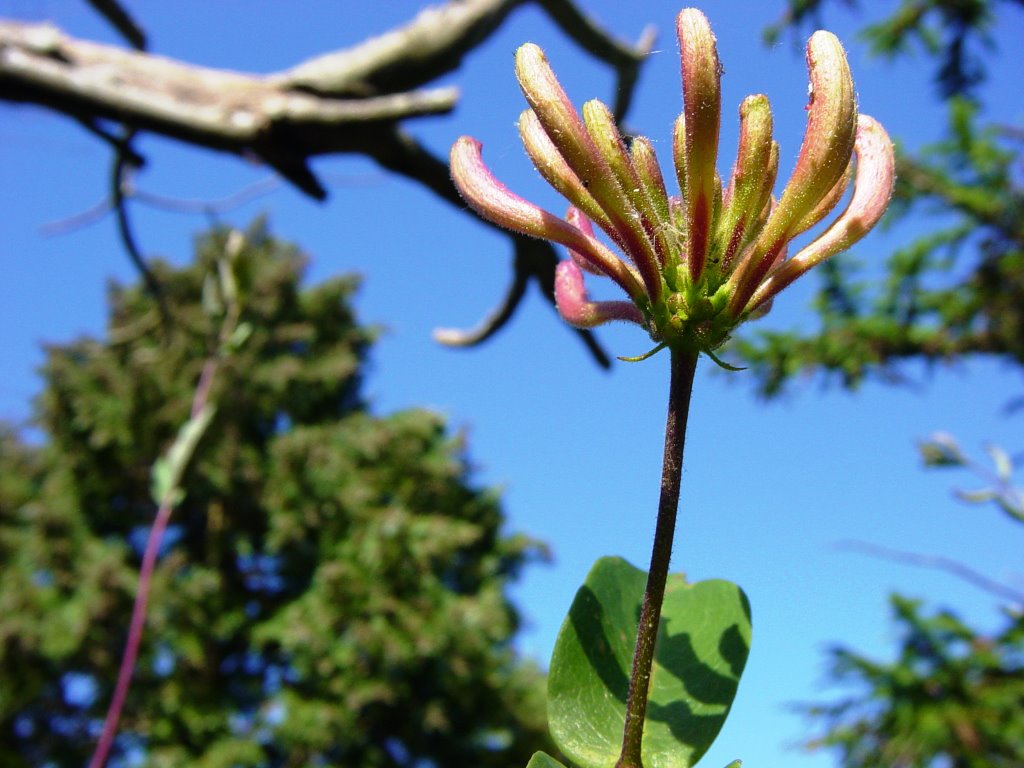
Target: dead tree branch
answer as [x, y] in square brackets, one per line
[122, 21]
[534, 259]
[248, 115]
[939, 563]
[348, 101]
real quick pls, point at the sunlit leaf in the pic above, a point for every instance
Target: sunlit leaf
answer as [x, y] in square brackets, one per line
[703, 642]
[542, 760]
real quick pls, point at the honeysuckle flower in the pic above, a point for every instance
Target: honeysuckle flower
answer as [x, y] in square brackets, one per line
[696, 265]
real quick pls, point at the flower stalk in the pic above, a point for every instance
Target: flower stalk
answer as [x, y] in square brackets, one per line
[684, 365]
[695, 265]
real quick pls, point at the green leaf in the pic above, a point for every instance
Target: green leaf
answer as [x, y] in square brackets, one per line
[167, 470]
[542, 760]
[160, 481]
[239, 336]
[703, 642]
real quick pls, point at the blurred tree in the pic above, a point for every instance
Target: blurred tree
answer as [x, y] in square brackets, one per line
[332, 588]
[960, 289]
[953, 31]
[953, 696]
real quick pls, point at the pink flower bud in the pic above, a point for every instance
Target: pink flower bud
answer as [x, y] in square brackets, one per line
[694, 265]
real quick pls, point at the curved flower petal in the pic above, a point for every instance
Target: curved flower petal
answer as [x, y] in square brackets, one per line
[872, 189]
[602, 128]
[567, 132]
[577, 309]
[499, 205]
[556, 171]
[829, 137]
[824, 156]
[645, 161]
[826, 206]
[702, 95]
[751, 182]
[579, 220]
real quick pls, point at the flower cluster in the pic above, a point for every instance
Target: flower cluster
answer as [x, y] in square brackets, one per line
[698, 264]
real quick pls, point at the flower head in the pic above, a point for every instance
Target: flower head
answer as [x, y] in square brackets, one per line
[695, 265]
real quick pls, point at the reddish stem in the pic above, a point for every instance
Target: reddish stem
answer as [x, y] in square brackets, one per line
[138, 622]
[684, 365]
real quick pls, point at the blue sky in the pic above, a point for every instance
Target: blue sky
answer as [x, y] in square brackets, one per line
[768, 488]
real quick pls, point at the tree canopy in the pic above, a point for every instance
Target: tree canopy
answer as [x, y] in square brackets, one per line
[957, 290]
[953, 694]
[332, 586]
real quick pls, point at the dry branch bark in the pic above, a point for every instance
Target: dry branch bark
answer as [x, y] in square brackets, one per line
[348, 101]
[229, 111]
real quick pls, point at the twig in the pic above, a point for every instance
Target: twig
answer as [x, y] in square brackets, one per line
[114, 141]
[122, 21]
[118, 179]
[493, 321]
[534, 259]
[76, 221]
[214, 207]
[625, 59]
[937, 562]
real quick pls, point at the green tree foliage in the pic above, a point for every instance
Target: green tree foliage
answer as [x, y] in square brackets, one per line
[953, 31]
[959, 290]
[953, 697]
[332, 587]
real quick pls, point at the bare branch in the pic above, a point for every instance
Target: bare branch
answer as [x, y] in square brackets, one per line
[591, 38]
[431, 45]
[940, 563]
[119, 180]
[122, 21]
[80, 220]
[228, 111]
[215, 207]
[435, 42]
[331, 104]
[493, 322]
[348, 101]
[534, 259]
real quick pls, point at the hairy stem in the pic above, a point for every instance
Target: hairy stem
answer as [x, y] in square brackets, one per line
[684, 364]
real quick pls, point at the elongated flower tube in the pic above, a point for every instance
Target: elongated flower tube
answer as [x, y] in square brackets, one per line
[696, 265]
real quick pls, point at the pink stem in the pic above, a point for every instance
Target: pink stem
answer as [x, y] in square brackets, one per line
[131, 648]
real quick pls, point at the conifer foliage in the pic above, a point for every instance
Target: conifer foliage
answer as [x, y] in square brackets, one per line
[331, 589]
